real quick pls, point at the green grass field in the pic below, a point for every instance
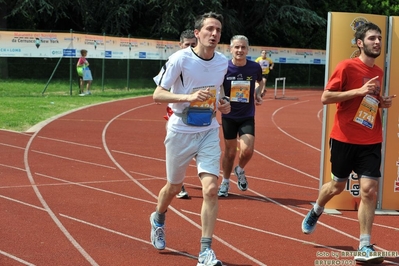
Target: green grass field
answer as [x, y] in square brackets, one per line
[23, 103]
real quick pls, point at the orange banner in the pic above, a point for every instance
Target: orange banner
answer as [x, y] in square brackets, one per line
[390, 181]
[342, 45]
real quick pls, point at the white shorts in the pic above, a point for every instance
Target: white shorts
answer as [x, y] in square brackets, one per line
[181, 148]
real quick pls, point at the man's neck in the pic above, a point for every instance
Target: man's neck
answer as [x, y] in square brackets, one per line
[368, 61]
[204, 52]
[239, 62]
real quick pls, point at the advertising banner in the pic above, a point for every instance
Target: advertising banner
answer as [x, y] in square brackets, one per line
[389, 189]
[341, 45]
[47, 45]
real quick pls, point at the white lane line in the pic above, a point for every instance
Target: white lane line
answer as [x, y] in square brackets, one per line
[289, 135]
[351, 219]
[16, 258]
[12, 146]
[256, 151]
[12, 167]
[285, 165]
[278, 235]
[281, 183]
[152, 194]
[73, 159]
[303, 215]
[17, 132]
[70, 142]
[94, 188]
[48, 209]
[139, 156]
[262, 199]
[125, 235]
[320, 115]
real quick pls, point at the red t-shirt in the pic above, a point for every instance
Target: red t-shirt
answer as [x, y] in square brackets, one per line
[82, 60]
[352, 74]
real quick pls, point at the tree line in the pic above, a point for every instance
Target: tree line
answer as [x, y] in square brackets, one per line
[276, 23]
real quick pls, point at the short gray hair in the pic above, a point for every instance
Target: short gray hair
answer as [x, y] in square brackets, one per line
[238, 37]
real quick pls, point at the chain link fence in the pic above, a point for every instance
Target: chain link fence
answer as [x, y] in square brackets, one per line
[133, 73]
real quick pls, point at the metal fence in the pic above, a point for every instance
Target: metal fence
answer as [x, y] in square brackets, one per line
[133, 73]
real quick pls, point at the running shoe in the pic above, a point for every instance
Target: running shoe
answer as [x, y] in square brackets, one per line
[183, 194]
[309, 222]
[157, 234]
[242, 180]
[367, 254]
[208, 258]
[224, 189]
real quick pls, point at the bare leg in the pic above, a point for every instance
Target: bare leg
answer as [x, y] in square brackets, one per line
[229, 156]
[328, 191]
[246, 149]
[209, 208]
[263, 92]
[166, 195]
[81, 85]
[366, 212]
[88, 85]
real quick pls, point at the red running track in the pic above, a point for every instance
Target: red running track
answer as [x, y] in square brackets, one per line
[79, 191]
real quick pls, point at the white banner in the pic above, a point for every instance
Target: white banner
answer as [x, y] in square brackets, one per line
[45, 45]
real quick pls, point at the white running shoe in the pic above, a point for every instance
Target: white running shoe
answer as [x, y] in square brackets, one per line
[208, 258]
[183, 194]
[242, 183]
[224, 189]
[157, 234]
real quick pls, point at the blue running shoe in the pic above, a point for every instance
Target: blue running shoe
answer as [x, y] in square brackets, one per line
[309, 222]
[367, 254]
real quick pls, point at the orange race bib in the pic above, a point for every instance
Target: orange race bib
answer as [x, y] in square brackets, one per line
[239, 91]
[210, 103]
[367, 112]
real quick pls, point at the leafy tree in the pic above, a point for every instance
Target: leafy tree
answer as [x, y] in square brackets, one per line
[380, 7]
[264, 22]
[284, 23]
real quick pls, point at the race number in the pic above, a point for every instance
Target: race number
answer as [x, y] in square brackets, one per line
[239, 91]
[367, 112]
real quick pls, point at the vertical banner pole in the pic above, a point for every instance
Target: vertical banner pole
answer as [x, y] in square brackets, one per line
[388, 196]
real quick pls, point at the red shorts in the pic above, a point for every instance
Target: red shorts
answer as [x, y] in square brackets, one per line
[169, 112]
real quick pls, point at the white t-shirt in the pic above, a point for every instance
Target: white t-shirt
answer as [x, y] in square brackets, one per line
[184, 73]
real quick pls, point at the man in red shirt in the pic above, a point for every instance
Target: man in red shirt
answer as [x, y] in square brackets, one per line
[356, 136]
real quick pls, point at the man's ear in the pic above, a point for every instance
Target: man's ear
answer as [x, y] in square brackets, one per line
[359, 43]
[196, 33]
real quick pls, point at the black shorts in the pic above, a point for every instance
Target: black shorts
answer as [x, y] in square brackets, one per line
[364, 160]
[265, 76]
[232, 127]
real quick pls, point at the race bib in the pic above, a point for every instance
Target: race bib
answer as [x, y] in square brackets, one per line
[210, 103]
[367, 112]
[239, 91]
